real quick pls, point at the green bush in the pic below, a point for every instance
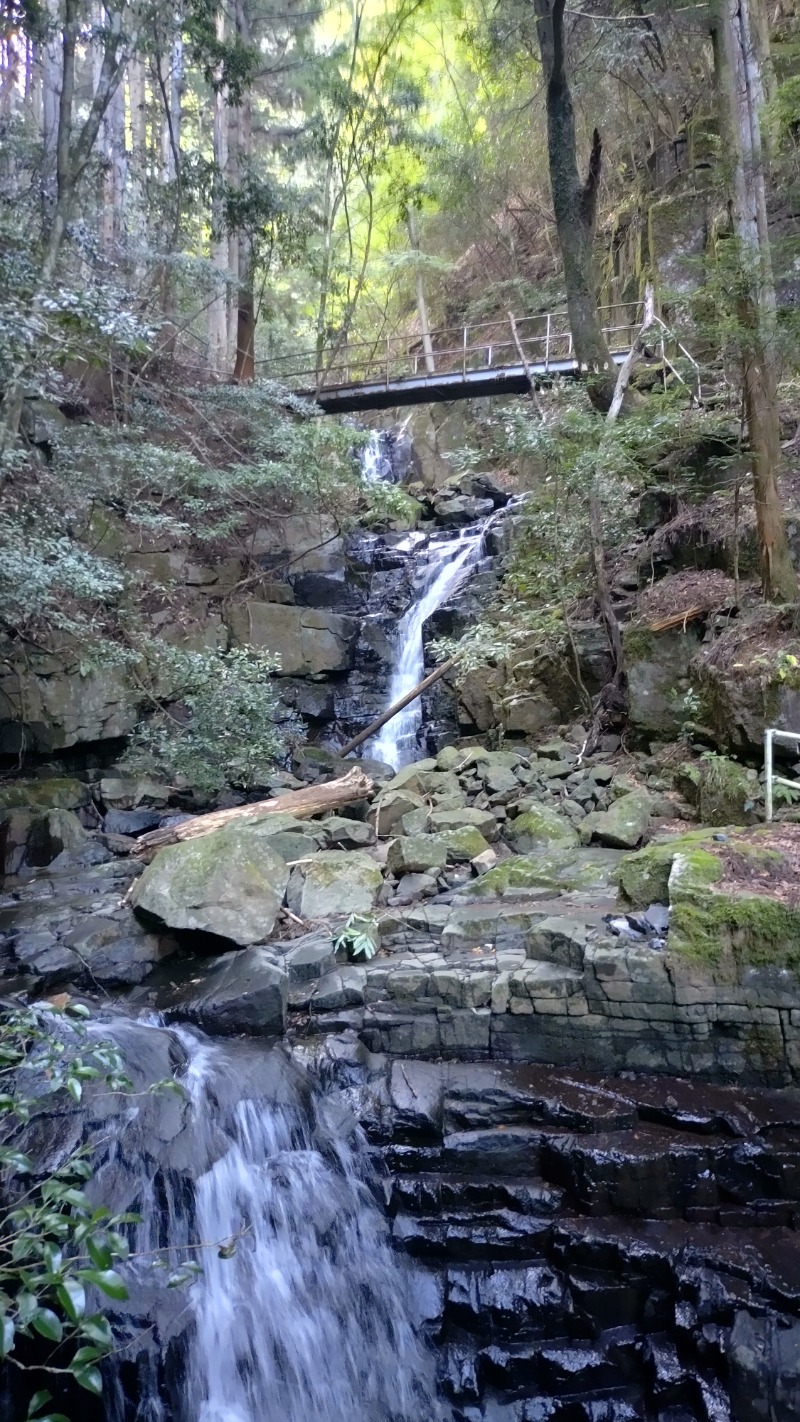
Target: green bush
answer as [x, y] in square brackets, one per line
[222, 724]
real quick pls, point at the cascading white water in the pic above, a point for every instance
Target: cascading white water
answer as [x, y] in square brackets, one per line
[310, 1319]
[301, 1311]
[396, 743]
[375, 462]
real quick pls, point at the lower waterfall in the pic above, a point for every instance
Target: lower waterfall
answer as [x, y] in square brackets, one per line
[300, 1311]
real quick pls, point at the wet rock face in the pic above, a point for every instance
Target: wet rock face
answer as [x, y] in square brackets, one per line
[594, 1249]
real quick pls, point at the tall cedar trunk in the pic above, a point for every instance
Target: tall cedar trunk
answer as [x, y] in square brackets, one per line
[244, 368]
[422, 305]
[218, 307]
[738, 46]
[575, 207]
[50, 63]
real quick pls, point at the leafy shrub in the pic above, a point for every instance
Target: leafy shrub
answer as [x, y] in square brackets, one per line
[54, 1243]
[222, 724]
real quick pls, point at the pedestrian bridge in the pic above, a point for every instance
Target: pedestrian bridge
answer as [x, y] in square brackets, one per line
[499, 357]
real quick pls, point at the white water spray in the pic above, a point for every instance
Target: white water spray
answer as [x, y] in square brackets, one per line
[396, 743]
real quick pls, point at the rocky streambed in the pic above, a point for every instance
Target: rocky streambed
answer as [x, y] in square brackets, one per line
[573, 1054]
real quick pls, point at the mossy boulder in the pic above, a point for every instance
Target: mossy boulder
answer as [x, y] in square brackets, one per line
[230, 883]
[643, 878]
[730, 928]
[416, 854]
[561, 867]
[336, 882]
[539, 826]
[726, 791]
[725, 923]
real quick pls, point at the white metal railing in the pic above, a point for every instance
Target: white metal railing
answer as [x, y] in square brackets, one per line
[770, 778]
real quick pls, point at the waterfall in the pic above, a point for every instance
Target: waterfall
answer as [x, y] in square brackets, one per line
[396, 743]
[301, 1312]
[376, 461]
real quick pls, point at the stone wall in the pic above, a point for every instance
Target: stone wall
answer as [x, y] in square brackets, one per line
[548, 989]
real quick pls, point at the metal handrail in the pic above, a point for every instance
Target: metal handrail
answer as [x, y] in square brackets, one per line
[547, 343]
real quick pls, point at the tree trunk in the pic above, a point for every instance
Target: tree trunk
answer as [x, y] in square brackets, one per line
[575, 207]
[303, 804]
[245, 365]
[218, 307]
[422, 305]
[738, 42]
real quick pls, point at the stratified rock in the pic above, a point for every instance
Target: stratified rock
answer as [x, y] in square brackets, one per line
[623, 826]
[763, 1357]
[558, 940]
[537, 826]
[240, 992]
[561, 867]
[336, 882]
[306, 640]
[230, 883]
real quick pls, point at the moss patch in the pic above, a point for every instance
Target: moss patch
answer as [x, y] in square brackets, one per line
[726, 928]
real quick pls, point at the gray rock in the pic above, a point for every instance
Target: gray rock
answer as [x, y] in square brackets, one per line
[246, 991]
[482, 820]
[342, 832]
[230, 883]
[415, 854]
[336, 882]
[623, 826]
[132, 822]
[558, 940]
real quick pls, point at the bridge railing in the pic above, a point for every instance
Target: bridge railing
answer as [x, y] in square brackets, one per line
[543, 342]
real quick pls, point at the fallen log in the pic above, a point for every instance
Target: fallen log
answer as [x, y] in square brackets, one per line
[398, 706]
[302, 804]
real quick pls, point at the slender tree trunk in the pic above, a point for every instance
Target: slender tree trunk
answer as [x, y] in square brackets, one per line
[575, 207]
[422, 305]
[738, 41]
[244, 368]
[218, 307]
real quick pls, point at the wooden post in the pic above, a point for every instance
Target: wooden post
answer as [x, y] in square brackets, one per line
[400, 705]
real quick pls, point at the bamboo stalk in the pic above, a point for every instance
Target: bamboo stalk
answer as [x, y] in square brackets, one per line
[398, 706]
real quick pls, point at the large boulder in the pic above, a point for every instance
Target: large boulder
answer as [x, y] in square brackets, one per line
[643, 877]
[230, 883]
[539, 826]
[415, 854]
[336, 882]
[240, 992]
[624, 825]
[659, 678]
[389, 809]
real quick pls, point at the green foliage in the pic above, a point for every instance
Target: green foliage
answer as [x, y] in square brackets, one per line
[55, 1243]
[359, 939]
[222, 724]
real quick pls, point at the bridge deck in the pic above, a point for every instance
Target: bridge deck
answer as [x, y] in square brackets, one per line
[430, 389]
[500, 357]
